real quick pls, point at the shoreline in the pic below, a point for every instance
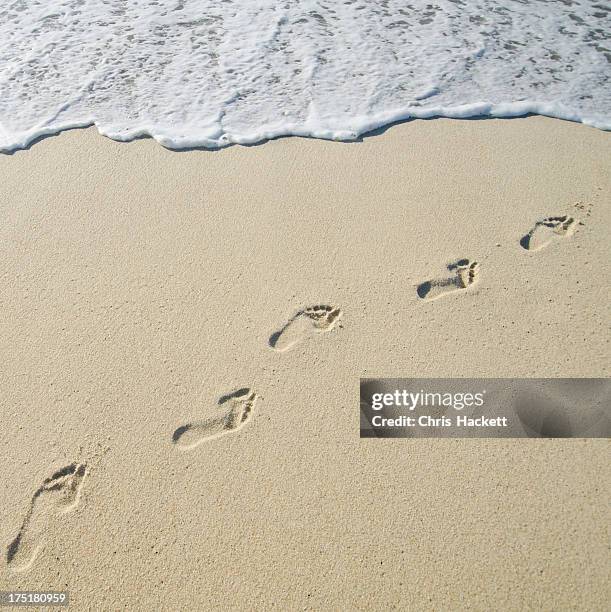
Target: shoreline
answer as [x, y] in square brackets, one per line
[370, 128]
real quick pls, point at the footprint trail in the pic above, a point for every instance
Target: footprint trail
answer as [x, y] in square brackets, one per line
[305, 324]
[58, 495]
[237, 410]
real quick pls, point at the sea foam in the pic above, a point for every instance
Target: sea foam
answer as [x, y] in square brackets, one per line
[208, 73]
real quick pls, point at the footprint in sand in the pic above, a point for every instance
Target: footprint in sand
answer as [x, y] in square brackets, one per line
[548, 230]
[237, 410]
[306, 323]
[58, 495]
[465, 275]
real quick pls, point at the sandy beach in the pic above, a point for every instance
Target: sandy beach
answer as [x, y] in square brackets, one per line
[160, 350]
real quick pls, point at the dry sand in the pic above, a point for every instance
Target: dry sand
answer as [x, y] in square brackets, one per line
[140, 285]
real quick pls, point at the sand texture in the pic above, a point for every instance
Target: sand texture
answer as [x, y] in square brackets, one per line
[182, 340]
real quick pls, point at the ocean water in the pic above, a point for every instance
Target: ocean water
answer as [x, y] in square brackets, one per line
[214, 72]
